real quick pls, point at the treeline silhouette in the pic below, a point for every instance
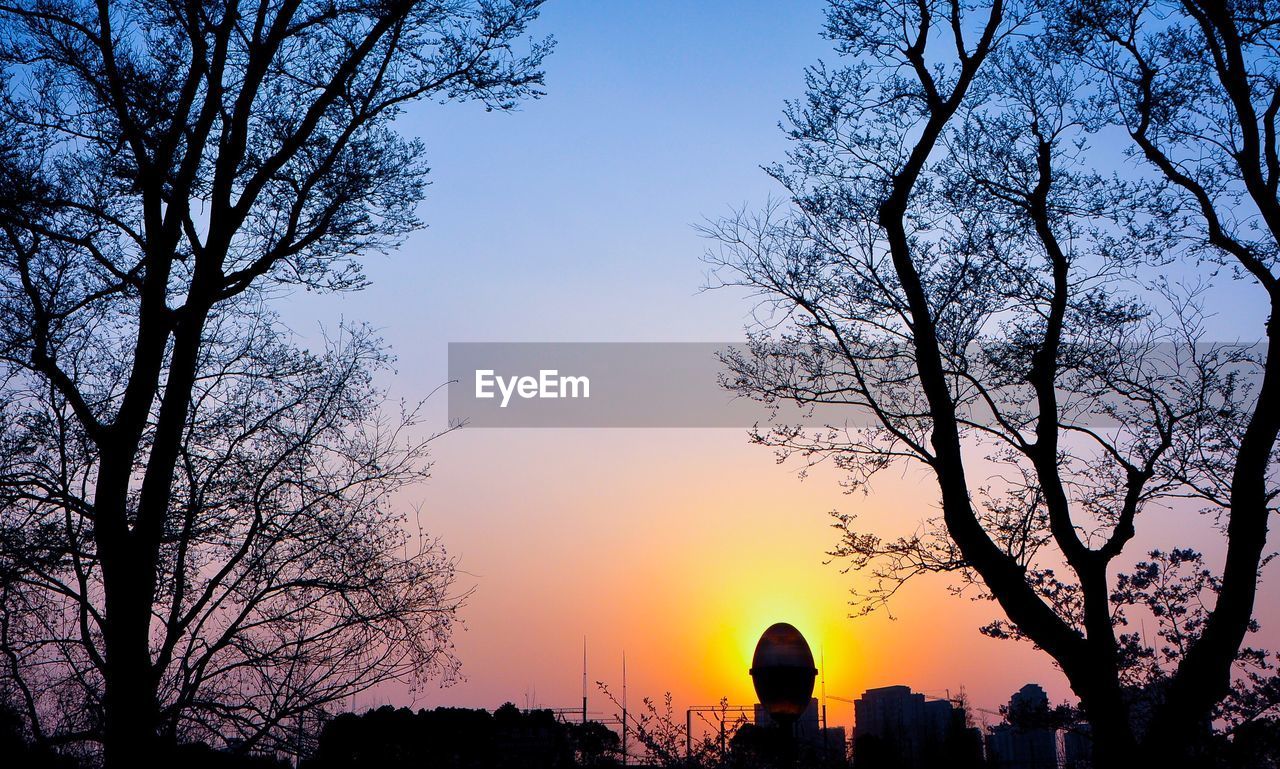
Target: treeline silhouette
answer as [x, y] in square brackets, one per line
[462, 738]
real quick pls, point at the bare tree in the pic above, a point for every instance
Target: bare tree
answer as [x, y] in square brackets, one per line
[1196, 86]
[286, 581]
[952, 267]
[196, 532]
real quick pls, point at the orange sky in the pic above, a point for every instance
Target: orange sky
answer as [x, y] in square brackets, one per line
[680, 547]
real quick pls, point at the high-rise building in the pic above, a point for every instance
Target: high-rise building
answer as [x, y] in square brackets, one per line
[894, 726]
[1011, 747]
[1032, 739]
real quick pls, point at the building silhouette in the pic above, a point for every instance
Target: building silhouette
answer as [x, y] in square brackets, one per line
[1032, 738]
[896, 727]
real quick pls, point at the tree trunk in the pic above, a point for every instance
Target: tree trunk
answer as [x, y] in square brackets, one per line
[131, 713]
[1114, 743]
[1114, 746]
[1181, 747]
[130, 553]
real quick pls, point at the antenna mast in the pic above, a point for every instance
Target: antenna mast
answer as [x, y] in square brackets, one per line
[822, 656]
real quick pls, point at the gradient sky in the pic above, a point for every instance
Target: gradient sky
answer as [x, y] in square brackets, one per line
[570, 220]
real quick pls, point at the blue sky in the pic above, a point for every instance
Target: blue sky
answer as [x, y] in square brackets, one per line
[572, 217]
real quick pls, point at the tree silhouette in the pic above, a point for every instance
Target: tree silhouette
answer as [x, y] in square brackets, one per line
[952, 267]
[390, 738]
[195, 540]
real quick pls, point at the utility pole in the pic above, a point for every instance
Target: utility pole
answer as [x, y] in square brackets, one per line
[688, 733]
[624, 708]
[584, 680]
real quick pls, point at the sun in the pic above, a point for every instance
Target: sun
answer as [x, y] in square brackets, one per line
[738, 626]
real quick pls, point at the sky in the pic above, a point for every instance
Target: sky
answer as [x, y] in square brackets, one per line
[572, 219]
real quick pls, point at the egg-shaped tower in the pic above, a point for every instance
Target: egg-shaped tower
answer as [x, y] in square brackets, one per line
[783, 672]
